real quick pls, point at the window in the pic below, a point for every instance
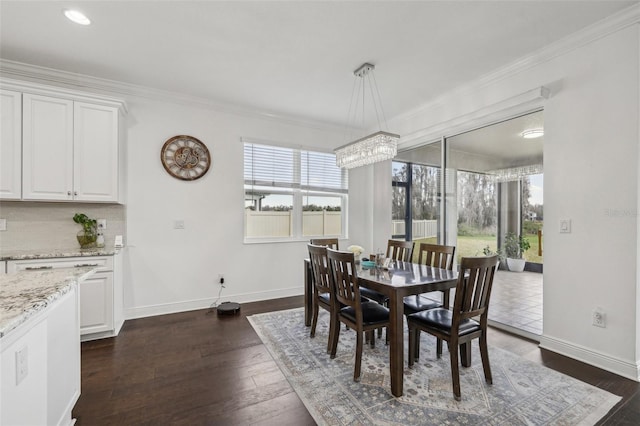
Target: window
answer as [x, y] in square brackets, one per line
[292, 194]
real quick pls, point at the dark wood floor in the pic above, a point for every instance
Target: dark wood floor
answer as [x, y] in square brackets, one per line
[199, 368]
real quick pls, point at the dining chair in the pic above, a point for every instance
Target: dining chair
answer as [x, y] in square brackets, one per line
[459, 325]
[400, 250]
[396, 250]
[438, 256]
[322, 288]
[363, 317]
[327, 242]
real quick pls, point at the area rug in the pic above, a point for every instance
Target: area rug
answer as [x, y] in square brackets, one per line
[523, 393]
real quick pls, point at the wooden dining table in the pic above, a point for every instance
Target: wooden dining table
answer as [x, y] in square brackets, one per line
[399, 280]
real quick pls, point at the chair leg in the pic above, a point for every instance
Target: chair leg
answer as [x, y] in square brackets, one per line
[356, 370]
[484, 354]
[439, 348]
[455, 370]
[372, 340]
[333, 324]
[413, 332]
[336, 335]
[314, 321]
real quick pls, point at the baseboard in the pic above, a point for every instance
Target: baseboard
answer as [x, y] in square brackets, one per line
[588, 356]
[192, 305]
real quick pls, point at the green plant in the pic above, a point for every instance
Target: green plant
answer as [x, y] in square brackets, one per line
[515, 245]
[87, 237]
[487, 251]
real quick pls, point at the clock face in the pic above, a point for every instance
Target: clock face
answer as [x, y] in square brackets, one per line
[185, 157]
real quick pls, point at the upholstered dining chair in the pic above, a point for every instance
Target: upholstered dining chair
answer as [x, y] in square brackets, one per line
[327, 242]
[459, 325]
[363, 317]
[438, 256]
[322, 288]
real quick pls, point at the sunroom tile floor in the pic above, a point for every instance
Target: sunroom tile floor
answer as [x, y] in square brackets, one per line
[516, 301]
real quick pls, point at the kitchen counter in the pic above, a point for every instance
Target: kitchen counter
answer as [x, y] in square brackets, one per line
[26, 293]
[52, 253]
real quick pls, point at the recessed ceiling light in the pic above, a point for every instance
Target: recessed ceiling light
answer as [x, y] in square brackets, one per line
[532, 133]
[77, 17]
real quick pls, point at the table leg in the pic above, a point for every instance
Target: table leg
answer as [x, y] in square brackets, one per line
[396, 343]
[308, 293]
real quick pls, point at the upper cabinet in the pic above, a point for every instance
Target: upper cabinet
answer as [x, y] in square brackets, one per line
[10, 145]
[70, 145]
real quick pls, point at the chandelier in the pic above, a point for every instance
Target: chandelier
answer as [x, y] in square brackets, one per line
[376, 147]
[516, 173]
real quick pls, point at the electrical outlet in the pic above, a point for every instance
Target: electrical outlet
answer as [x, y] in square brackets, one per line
[22, 364]
[221, 279]
[102, 223]
[178, 224]
[599, 318]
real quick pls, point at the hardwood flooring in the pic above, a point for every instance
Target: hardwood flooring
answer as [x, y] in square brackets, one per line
[198, 368]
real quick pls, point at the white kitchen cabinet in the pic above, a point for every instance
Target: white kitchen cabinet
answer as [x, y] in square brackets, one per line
[70, 150]
[49, 345]
[101, 295]
[10, 145]
[95, 159]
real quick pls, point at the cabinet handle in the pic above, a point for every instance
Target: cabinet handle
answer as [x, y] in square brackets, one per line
[69, 193]
[34, 268]
[85, 264]
[75, 193]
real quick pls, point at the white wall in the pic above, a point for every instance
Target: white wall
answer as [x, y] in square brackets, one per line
[591, 161]
[173, 270]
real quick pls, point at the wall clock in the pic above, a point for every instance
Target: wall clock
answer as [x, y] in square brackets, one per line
[185, 157]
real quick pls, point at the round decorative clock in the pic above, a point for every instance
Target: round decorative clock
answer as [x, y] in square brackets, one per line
[185, 157]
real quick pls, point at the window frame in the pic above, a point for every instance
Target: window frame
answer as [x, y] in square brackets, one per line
[298, 191]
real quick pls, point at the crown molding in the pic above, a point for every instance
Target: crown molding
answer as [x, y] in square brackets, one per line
[43, 75]
[589, 34]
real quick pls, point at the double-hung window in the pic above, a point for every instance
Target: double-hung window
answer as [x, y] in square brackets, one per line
[292, 193]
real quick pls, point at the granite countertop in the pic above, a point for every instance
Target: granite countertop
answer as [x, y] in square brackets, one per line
[26, 293]
[52, 253]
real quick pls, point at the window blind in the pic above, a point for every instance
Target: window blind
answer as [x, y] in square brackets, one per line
[267, 165]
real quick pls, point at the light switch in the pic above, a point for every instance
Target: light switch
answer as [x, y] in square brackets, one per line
[3, 224]
[178, 224]
[565, 226]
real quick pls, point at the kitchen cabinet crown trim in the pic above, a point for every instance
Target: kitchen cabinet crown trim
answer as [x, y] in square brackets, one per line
[41, 89]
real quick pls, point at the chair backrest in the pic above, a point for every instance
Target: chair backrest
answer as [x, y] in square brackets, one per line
[473, 289]
[327, 242]
[400, 250]
[436, 255]
[320, 268]
[345, 279]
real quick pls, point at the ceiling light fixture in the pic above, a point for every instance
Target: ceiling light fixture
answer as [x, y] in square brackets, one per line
[77, 17]
[532, 133]
[376, 147]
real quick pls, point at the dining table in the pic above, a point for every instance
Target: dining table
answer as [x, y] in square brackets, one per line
[399, 280]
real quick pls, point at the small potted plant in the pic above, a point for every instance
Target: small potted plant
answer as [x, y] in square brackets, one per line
[487, 251]
[88, 234]
[514, 247]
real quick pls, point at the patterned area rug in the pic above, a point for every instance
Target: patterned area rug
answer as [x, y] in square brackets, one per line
[523, 393]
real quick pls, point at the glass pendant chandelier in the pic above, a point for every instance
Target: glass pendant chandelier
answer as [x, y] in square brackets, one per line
[376, 147]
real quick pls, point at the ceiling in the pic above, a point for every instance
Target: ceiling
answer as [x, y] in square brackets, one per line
[290, 58]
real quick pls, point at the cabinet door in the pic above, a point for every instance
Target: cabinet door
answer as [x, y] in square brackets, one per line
[96, 303]
[95, 130]
[47, 145]
[10, 145]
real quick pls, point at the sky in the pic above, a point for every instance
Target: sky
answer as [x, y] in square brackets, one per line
[535, 189]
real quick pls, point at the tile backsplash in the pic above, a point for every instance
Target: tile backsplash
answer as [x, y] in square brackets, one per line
[43, 226]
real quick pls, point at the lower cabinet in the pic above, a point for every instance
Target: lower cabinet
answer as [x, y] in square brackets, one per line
[40, 367]
[101, 295]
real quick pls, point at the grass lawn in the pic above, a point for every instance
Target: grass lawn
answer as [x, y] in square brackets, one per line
[473, 245]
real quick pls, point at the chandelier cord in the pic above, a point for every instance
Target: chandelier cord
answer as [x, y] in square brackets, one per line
[384, 118]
